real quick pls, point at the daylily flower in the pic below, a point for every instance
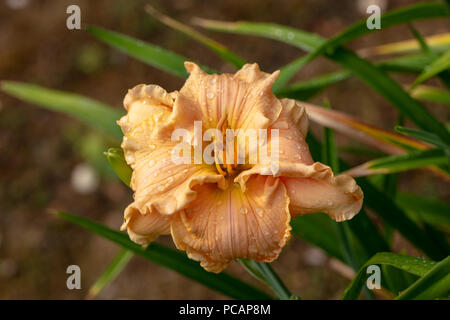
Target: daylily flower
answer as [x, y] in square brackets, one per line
[220, 212]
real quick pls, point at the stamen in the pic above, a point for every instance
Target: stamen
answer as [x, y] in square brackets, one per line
[216, 159]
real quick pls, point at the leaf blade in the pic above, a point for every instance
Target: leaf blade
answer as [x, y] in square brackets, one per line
[412, 265]
[145, 52]
[172, 259]
[94, 113]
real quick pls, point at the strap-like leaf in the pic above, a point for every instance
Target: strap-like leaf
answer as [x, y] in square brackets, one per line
[416, 266]
[439, 65]
[217, 47]
[438, 42]
[425, 209]
[172, 259]
[431, 94]
[94, 113]
[111, 272]
[413, 160]
[434, 284]
[148, 53]
[373, 76]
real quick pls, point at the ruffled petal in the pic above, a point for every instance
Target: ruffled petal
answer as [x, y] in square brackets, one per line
[290, 144]
[145, 123]
[222, 225]
[241, 101]
[161, 184]
[314, 188]
[143, 229]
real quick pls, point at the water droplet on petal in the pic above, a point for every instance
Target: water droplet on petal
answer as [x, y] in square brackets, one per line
[243, 210]
[210, 95]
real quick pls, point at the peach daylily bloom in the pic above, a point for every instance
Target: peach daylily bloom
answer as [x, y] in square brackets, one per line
[214, 212]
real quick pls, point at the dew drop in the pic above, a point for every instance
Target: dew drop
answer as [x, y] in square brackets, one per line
[243, 210]
[160, 188]
[170, 180]
[210, 95]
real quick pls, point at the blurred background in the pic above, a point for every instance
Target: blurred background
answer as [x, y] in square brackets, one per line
[50, 161]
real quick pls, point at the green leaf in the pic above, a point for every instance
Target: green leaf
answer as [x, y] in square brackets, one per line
[330, 157]
[422, 42]
[172, 259]
[416, 266]
[217, 47]
[265, 273]
[413, 160]
[422, 135]
[432, 285]
[150, 54]
[94, 113]
[319, 230]
[301, 39]
[111, 272]
[439, 65]
[373, 76]
[426, 10]
[431, 94]
[414, 12]
[117, 161]
[426, 209]
[437, 43]
[392, 91]
[304, 90]
[410, 161]
[385, 207]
